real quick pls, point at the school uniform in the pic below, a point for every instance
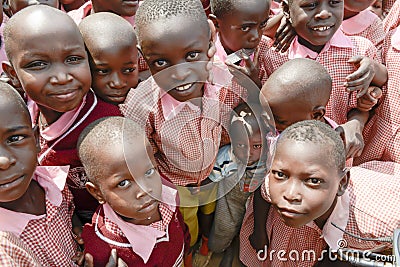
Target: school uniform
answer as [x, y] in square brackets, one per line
[382, 132]
[333, 57]
[58, 145]
[392, 20]
[161, 243]
[359, 212]
[365, 24]
[49, 236]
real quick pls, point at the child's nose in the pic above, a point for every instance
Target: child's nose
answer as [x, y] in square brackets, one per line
[180, 73]
[292, 194]
[323, 14]
[255, 35]
[117, 82]
[6, 161]
[60, 76]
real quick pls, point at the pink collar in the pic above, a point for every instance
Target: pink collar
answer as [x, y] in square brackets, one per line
[60, 126]
[396, 38]
[358, 23]
[221, 53]
[296, 50]
[52, 179]
[143, 238]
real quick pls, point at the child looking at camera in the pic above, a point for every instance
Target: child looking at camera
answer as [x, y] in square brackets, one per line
[319, 205]
[57, 83]
[35, 204]
[113, 57]
[138, 215]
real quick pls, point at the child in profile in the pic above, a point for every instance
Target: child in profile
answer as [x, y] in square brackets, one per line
[35, 204]
[113, 57]
[138, 215]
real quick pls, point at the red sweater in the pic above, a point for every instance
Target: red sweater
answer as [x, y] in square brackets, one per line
[65, 152]
[165, 253]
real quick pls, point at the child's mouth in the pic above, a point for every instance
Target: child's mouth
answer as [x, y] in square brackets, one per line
[321, 28]
[11, 183]
[183, 87]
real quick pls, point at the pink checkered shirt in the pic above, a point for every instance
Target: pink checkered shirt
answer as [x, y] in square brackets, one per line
[365, 24]
[185, 139]
[359, 211]
[334, 58]
[382, 132]
[391, 8]
[14, 253]
[48, 236]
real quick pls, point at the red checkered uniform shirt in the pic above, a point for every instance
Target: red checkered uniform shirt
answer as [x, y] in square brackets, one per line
[392, 20]
[50, 236]
[359, 211]
[14, 253]
[382, 133]
[334, 59]
[186, 144]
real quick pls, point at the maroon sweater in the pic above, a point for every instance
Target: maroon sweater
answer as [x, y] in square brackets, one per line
[165, 253]
[65, 152]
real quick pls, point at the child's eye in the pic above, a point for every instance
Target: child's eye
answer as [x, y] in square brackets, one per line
[160, 63]
[150, 172]
[314, 181]
[241, 145]
[192, 55]
[36, 65]
[124, 183]
[245, 28]
[309, 5]
[128, 70]
[279, 175]
[257, 146]
[102, 71]
[263, 24]
[334, 2]
[15, 138]
[73, 59]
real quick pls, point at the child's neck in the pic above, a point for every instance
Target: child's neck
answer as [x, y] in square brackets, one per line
[48, 115]
[315, 48]
[32, 202]
[349, 14]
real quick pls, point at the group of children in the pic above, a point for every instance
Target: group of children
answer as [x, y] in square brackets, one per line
[145, 134]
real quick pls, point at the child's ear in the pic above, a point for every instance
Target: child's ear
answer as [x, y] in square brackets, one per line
[318, 112]
[214, 20]
[37, 136]
[213, 36]
[95, 192]
[344, 182]
[11, 73]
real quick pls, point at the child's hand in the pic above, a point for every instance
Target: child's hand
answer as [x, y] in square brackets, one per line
[370, 99]
[259, 241]
[284, 36]
[250, 68]
[360, 79]
[351, 133]
[113, 261]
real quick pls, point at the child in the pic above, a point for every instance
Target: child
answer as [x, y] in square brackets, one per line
[11, 245]
[57, 82]
[340, 55]
[376, 7]
[184, 115]
[16, 5]
[138, 214]
[35, 204]
[113, 56]
[126, 9]
[392, 20]
[69, 5]
[239, 170]
[240, 25]
[359, 21]
[320, 206]
[382, 133]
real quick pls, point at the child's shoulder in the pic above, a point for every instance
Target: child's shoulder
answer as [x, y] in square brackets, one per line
[362, 45]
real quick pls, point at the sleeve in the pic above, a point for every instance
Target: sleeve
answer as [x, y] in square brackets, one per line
[14, 253]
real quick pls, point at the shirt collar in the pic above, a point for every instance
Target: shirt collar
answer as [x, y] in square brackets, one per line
[358, 23]
[396, 38]
[60, 126]
[221, 53]
[52, 179]
[297, 50]
[340, 217]
[146, 234]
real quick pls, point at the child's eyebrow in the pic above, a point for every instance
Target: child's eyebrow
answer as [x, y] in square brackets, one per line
[17, 128]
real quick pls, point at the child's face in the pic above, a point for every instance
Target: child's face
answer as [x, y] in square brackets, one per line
[243, 27]
[304, 183]
[357, 5]
[58, 78]
[120, 7]
[17, 5]
[131, 184]
[177, 57]
[376, 7]
[316, 21]
[247, 148]
[114, 72]
[286, 114]
[18, 151]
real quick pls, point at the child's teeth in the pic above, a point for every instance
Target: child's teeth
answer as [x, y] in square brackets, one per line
[321, 29]
[185, 87]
